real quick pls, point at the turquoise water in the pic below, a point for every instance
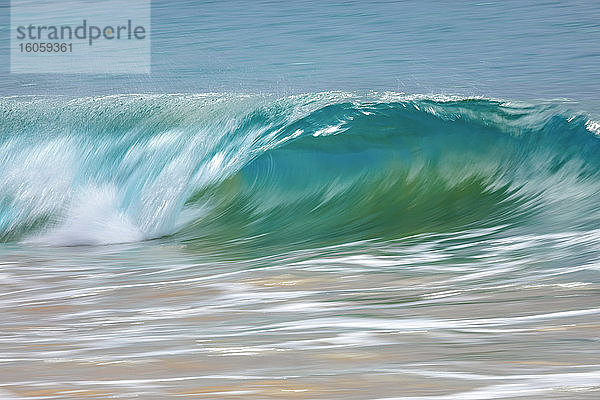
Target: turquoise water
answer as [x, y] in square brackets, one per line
[216, 169]
[344, 201]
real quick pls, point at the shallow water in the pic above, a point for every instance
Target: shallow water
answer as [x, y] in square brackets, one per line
[416, 318]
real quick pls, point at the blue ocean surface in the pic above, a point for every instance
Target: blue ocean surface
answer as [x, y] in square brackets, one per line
[335, 200]
[509, 49]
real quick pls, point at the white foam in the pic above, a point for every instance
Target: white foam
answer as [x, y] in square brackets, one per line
[593, 126]
[94, 218]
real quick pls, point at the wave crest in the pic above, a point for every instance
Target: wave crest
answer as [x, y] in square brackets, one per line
[303, 170]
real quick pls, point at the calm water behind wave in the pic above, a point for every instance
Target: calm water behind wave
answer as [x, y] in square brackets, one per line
[508, 49]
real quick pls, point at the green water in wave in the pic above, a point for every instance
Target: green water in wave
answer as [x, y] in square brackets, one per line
[280, 173]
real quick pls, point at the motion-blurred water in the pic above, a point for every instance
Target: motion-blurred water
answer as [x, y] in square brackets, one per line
[310, 231]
